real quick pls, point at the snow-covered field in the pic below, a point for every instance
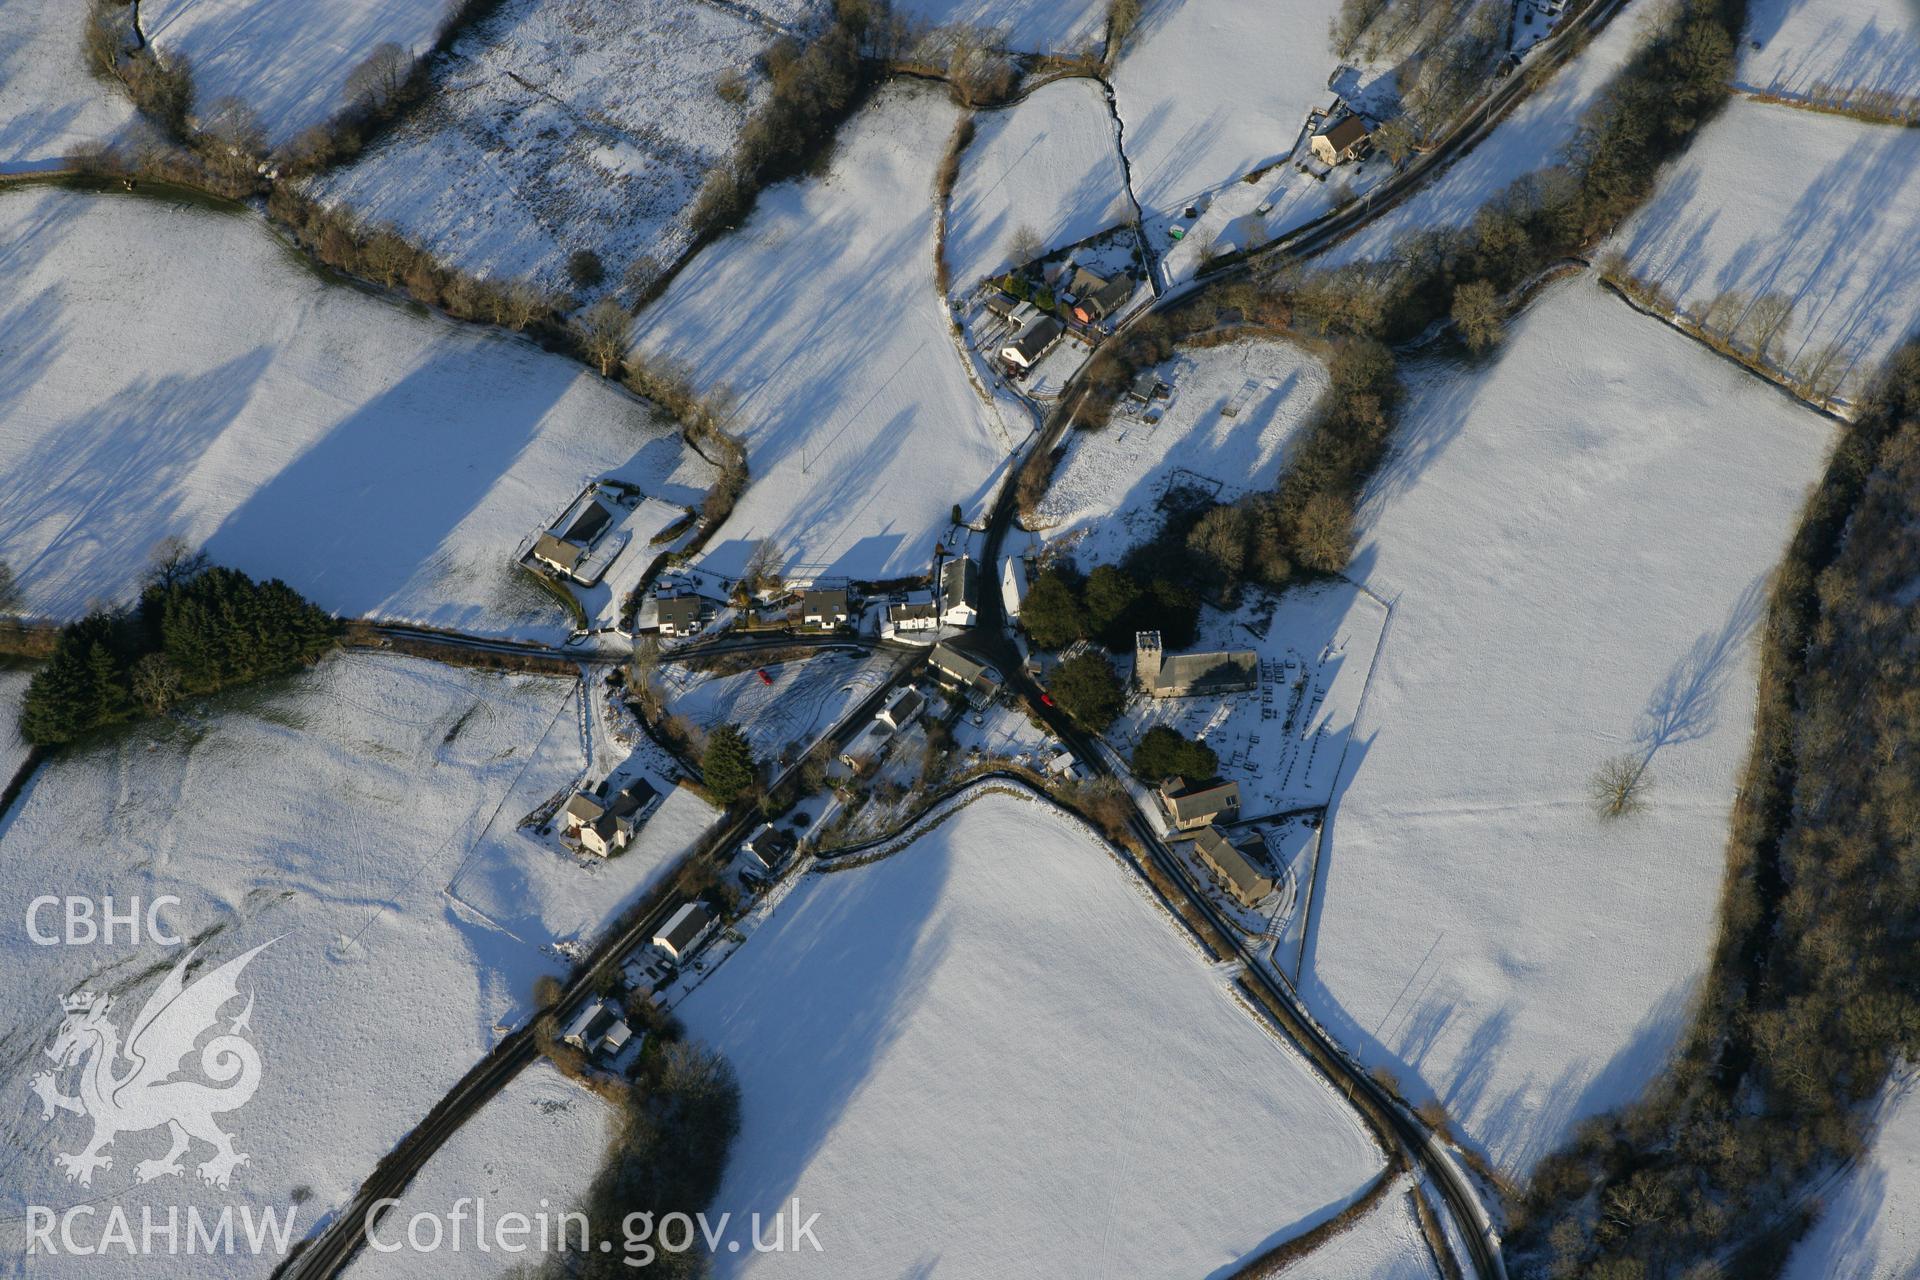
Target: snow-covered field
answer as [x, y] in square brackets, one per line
[1105, 495]
[325, 813]
[1818, 208]
[50, 104]
[1809, 49]
[1030, 26]
[1533, 137]
[13, 687]
[1869, 1225]
[1386, 1244]
[290, 63]
[820, 313]
[533, 1149]
[1048, 164]
[562, 125]
[804, 700]
[1283, 742]
[1576, 542]
[990, 1054]
[170, 371]
[528, 884]
[1212, 89]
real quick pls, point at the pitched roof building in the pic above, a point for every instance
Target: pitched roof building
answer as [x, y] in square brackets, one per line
[1196, 807]
[1247, 882]
[960, 592]
[681, 615]
[1344, 139]
[1032, 342]
[613, 830]
[683, 930]
[1189, 675]
[824, 609]
[964, 673]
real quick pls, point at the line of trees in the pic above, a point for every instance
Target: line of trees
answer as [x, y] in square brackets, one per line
[196, 630]
[1108, 606]
[813, 89]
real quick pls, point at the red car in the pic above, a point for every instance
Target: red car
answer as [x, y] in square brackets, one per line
[1046, 699]
[764, 677]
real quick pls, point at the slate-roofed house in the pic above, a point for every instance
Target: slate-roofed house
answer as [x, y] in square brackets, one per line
[958, 671]
[917, 614]
[580, 809]
[824, 610]
[586, 1026]
[683, 931]
[1095, 297]
[1032, 342]
[899, 713]
[960, 592]
[1194, 807]
[681, 615]
[1246, 881]
[1191, 675]
[615, 828]
[564, 548]
[563, 556]
[1345, 139]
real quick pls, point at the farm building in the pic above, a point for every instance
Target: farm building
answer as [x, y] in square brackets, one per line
[1190, 675]
[1013, 585]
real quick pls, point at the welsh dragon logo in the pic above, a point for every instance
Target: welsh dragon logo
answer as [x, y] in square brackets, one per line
[131, 1089]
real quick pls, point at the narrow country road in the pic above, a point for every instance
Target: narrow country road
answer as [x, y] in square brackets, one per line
[327, 1253]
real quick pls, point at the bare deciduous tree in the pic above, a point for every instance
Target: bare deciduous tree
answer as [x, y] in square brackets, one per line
[763, 568]
[156, 683]
[1764, 320]
[378, 80]
[603, 335]
[1476, 310]
[522, 304]
[1024, 245]
[172, 561]
[1619, 786]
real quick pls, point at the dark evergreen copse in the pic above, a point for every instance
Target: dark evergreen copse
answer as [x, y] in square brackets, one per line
[1163, 753]
[213, 630]
[728, 764]
[1088, 689]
